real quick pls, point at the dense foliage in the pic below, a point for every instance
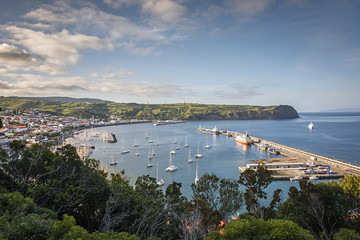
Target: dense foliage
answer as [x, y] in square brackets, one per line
[57, 195]
[182, 111]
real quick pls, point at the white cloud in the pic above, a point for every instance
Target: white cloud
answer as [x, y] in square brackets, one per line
[29, 84]
[55, 50]
[235, 92]
[10, 54]
[122, 73]
[246, 9]
[165, 10]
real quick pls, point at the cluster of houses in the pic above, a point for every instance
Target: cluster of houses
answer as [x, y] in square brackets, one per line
[34, 127]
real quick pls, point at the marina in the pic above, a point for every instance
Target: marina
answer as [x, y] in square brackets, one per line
[334, 137]
[295, 163]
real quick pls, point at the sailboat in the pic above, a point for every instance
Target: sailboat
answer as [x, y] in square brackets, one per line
[190, 160]
[149, 165]
[161, 181]
[197, 172]
[123, 151]
[198, 155]
[171, 166]
[136, 144]
[186, 143]
[150, 156]
[207, 146]
[153, 152]
[113, 163]
[311, 126]
[137, 152]
[146, 135]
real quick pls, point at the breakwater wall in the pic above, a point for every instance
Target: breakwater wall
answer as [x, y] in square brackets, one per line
[285, 150]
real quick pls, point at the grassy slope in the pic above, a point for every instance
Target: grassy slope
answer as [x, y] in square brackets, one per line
[186, 111]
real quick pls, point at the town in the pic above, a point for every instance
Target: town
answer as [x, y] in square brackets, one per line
[33, 126]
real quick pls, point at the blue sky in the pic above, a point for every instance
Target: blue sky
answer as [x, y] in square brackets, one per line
[259, 52]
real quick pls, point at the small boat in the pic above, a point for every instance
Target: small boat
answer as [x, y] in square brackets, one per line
[161, 181]
[149, 165]
[186, 143]
[113, 163]
[171, 166]
[197, 172]
[272, 151]
[137, 153]
[190, 160]
[207, 146]
[175, 142]
[311, 126]
[198, 155]
[297, 178]
[123, 151]
[172, 152]
[150, 156]
[153, 152]
[151, 141]
[313, 178]
[244, 139]
[136, 144]
[177, 148]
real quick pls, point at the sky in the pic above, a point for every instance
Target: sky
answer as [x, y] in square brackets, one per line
[303, 53]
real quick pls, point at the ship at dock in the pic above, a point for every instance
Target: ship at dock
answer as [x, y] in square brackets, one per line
[244, 139]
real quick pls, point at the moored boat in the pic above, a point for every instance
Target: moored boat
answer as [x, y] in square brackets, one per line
[244, 139]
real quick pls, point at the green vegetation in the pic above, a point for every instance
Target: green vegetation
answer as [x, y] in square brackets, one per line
[57, 195]
[182, 111]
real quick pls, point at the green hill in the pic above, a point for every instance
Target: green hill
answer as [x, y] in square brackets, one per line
[182, 111]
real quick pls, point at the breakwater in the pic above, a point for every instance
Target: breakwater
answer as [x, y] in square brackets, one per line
[294, 154]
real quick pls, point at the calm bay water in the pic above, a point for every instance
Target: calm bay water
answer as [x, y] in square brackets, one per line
[335, 135]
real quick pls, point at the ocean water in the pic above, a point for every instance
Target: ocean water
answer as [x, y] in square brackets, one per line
[335, 135]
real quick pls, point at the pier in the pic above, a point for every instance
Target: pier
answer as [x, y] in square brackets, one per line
[288, 165]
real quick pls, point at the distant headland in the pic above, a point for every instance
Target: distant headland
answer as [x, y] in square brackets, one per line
[88, 107]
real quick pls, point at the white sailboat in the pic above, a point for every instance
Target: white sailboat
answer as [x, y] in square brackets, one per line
[190, 160]
[136, 144]
[161, 181]
[149, 165]
[197, 172]
[311, 126]
[198, 155]
[137, 152]
[207, 146]
[171, 166]
[123, 151]
[150, 156]
[186, 143]
[146, 135]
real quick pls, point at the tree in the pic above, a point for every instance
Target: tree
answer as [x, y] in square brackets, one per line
[119, 205]
[222, 195]
[256, 182]
[351, 184]
[322, 208]
[258, 229]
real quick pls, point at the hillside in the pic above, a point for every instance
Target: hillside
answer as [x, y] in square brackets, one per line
[183, 111]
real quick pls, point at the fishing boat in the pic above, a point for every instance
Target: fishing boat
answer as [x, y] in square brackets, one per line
[197, 172]
[123, 151]
[311, 126]
[171, 167]
[190, 159]
[186, 143]
[161, 181]
[198, 155]
[244, 139]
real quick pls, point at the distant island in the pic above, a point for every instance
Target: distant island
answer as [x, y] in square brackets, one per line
[87, 107]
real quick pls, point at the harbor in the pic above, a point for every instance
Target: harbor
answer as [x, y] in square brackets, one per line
[292, 163]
